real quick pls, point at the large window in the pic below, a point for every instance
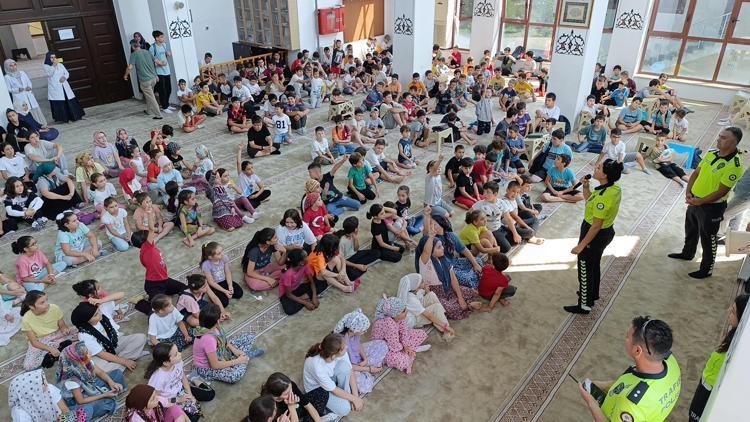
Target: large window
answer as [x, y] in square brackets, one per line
[463, 38]
[609, 24]
[700, 40]
[529, 23]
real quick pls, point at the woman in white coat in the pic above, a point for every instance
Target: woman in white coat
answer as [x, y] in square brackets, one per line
[62, 100]
[19, 85]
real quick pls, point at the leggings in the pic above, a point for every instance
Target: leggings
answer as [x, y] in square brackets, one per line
[367, 192]
[244, 204]
[291, 307]
[230, 375]
[362, 257]
[223, 298]
[260, 198]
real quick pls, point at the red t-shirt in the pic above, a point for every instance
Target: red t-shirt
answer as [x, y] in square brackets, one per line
[456, 56]
[152, 172]
[151, 259]
[481, 167]
[316, 220]
[490, 281]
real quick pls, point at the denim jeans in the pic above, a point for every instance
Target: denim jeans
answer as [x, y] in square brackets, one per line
[338, 207]
[343, 149]
[280, 137]
[415, 225]
[341, 374]
[101, 407]
[57, 266]
[119, 244]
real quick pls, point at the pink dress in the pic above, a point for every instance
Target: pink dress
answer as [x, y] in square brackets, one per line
[398, 336]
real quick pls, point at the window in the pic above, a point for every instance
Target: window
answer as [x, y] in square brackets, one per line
[529, 23]
[463, 38]
[699, 40]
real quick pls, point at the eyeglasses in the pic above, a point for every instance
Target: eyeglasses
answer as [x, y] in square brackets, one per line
[644, 331]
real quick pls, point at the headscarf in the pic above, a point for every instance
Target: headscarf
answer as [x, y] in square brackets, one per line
[310, 199]
[163, 161]
[312, 185]
[408, 283]
[99, 143]
[48, 59]
[201, 151]
[18, 106]
[389, 307]
[43, 169]
[445, 224]
[172, 148]
[442, 267]
[26, 391]
[80, 318]
[222, 351]
[128, 182]
[137, 401]
[76, 365]
[6, 66]
[355, 321]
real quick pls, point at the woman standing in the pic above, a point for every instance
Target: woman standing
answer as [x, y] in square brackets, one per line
[62, 100]
[20, 87]
[597, 232]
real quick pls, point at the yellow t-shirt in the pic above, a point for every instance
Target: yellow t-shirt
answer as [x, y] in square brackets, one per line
[716, 171]
[203, 99]
[497, 82]
[81, 173]
[470, 234]
[523, 86]
[603, 203]
[42, 325]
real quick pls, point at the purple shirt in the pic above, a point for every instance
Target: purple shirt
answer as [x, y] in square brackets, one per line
[352, 347]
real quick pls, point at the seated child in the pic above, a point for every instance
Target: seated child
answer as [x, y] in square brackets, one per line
[413, 224]
[516, 147]
[320, 150]
[561, 182]
[341, 135]
[405, 157]
[33, 269]
[101, 189]
[494, 285]
[184, 95]
[526, 208]
[453, 166]
[615, 150]
[197, 295]
[386, 168]
[298, 288]
[403, 342]
[366, 358]
[591, 138]
[190, 218]
[111, 304]
[476, 235]
[360, 186]
[115, 219]
[679, 128]
[315, 214]
[663, 157]
[467, 192]
[75, 243]
[224, 210]
[329, 267]
[374, 126]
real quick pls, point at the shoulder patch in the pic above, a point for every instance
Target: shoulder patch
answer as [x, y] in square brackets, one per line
[626, 417]
[733, 177]
[600, 206]
[637, 393]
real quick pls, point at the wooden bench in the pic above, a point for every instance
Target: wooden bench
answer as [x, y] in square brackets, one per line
[343, 109]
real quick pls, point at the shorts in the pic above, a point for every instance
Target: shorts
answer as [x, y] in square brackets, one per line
[629, 157]
[518, 164]
[574, 192]
[281, 137]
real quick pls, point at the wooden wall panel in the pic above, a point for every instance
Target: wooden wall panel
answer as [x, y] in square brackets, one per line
[362, 19]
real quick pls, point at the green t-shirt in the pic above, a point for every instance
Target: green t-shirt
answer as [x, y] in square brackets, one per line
[711, 371]
[603, 203]
[359, 175]
[144, 65]
[637, 397]
[715, 171]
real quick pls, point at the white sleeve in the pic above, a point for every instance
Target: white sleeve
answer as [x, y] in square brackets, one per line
[321, 375]
[281, 233]
[309, 236]
[152, 329]
[91, 344]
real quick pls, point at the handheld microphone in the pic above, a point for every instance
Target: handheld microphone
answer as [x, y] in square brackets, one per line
[587, 177]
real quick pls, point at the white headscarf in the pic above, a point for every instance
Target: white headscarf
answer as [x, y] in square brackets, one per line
[6, 66]
[18, 106]
[355, 321]
[408, 283]
[26, 391]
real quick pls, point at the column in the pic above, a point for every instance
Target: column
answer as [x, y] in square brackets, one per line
[631, 21]
[6, 102]
[574, 52]
[133, 16]
[412, 36]
[173, 19]
[485, 28]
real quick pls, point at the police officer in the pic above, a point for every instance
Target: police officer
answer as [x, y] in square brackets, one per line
[648, 390]
[706, 196]
[597, 232]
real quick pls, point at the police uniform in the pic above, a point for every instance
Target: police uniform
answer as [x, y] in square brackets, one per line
[603, 203]
[637, 397]
[704, 220]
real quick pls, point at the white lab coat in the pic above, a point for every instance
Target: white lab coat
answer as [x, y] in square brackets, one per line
[17, 87]
[56, 91]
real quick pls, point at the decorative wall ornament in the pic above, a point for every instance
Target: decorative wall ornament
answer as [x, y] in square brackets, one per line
[179, 28]
[484, 8]
[403, 26]
[576, 13]
[630, 20]
[570, 43]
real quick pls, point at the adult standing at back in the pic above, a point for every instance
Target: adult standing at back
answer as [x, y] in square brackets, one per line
[145, 70]
[20, 88]
[62, 100]
[160, 51]
[706, 196]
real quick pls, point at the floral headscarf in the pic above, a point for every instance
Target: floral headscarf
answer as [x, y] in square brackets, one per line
[355, 321]
[76, 365]
[202, 152]
[389, 307]
[26, 391]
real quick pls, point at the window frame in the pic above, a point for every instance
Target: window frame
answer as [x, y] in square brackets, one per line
[684, 37]
[527, 23]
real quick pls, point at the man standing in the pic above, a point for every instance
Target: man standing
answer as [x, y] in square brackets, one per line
[706, 196]
[145, 69]
[160, 51]
[646, 391]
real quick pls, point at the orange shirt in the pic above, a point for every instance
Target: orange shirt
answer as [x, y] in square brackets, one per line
[421, 89]
[317, 262]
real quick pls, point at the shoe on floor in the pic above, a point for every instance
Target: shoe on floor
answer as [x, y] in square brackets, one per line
[422, 348]
[699, 274]
[247, 220]
[576, 309]
[680, 256]
[330, 417]
[256, 353]
[647, 171]
[166, 110]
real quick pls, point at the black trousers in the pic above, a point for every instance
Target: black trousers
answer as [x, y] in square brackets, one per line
[589, 264]
[703, 221]
[389, 255]
[223, 298]
[291, 307]
[367, 192]
[164, 89]
[698, 404]
[362, 257]
[255, 202]
[483, 127]
[504, 236]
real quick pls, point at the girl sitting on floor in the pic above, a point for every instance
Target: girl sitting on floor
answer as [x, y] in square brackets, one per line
[106, 154]
[101, 189]
[356, 259]
[216, 358]
[403, 342]
[224, 211]
[45, 329]
[215, 266]
[476, 235]
[293, 233]
[91, 291]
[144, 405]
[663, 157]
[263, 260]
[366, 358]
[167, 375]
[196, 297]
[298, 288]
[380, 241]
[328, 265]
[22, 205]
[327, 375]
[235, 194]
[32, 398]
[33, 269]
[75, 243]
[316, 215]
[85, 168]
[190, 218]
[286, 395]
[422, 306]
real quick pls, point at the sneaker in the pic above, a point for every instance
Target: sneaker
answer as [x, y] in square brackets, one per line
[256, 214]
[256, 353]
[173, 108]
[647, 171]
[248, 220]
[166, 110]
[330, 417]
[201, 126]
[35, 225]
[44, 220]
[422, 348]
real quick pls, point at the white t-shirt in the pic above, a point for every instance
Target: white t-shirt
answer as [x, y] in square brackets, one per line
[296, 236]
[248, 184]
[164, 327]
[316, 86]
[319, 147]
[374, 159]
[553, 112]
[414, 308]
[206, 165]
[493, 211]
[183, 93]
[99, 196]
[15, 166]
[614, 152]
[90, 341]
[319, 373]
[508, 205]
[117, 221]
[679, 127]
[253, 88]
[281, 123]
[243, 93]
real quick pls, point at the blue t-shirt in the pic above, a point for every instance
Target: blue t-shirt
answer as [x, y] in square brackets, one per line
[554, 151]
[561, 179]
[628, 115]
[594, 136]
[619, 95]
[160, 53]
[515, 143]
[406, 145]
[76, 240]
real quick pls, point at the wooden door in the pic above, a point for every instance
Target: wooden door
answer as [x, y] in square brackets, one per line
[104, 44]
[67, 39]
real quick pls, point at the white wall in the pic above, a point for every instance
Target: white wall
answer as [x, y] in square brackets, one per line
[23, 37]
[214, 28]
[132, 16]
[700, 91]
[309, 39]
